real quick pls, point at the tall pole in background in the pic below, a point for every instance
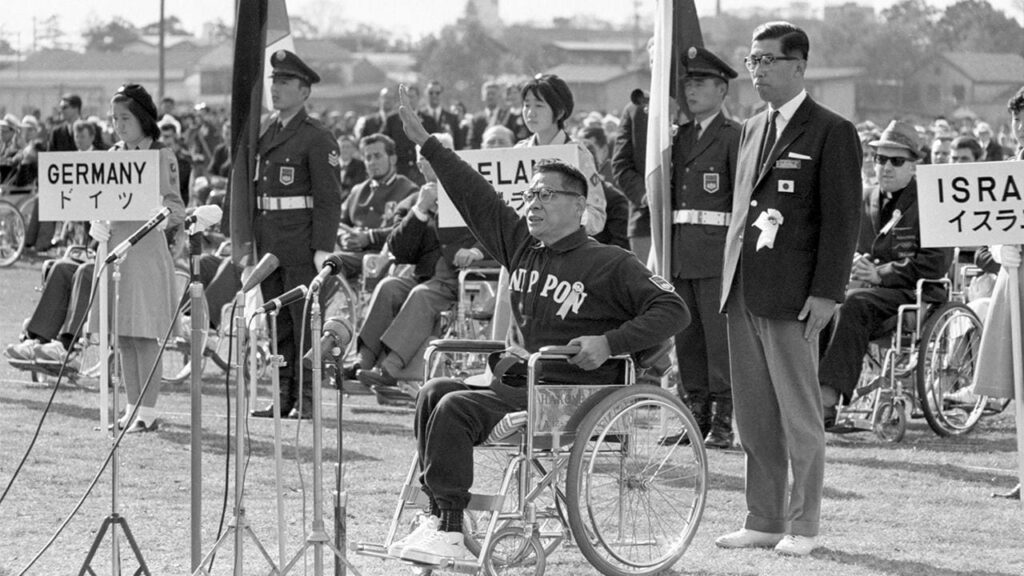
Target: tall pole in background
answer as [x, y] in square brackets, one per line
[160, 88]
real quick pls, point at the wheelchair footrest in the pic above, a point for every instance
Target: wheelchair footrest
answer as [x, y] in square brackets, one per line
[45, 368]
[449, 564]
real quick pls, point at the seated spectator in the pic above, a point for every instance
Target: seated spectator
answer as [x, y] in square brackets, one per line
[885, 278]
[404, 310]
[966, 149]
[353, 169]
[372, 208]
[498, 137]
[617, 307]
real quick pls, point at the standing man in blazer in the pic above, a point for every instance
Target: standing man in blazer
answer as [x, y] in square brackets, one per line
[704, 156]
[788, 251]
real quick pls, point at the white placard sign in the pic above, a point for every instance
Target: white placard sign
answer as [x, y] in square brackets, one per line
[975, 204]
[122, 185]
[507, 169]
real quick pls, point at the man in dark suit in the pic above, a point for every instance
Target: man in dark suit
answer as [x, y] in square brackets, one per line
[788, 251]
[374, 123]
[628, 167]
[436, 118]
[298, 204]
[493, 114]
[885, 276]
[703, 167]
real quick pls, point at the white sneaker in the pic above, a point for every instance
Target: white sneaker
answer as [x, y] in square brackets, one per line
[54, 351]
[23, 350]
[791, 545]
[434, 546]
[747, 538]
[424, 523]
[963, 396]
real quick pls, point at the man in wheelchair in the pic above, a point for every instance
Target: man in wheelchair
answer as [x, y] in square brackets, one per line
[565, 288]
[886, 269]
[404, 309]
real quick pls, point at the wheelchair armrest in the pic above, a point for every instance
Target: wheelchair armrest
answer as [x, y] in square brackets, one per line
[566, 351]
[465, 345]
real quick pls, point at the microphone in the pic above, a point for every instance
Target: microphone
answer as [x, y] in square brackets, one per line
[202, 218]
[286, 299]
[337, 334]
[332, 265]
[132, 240]
[263, 268]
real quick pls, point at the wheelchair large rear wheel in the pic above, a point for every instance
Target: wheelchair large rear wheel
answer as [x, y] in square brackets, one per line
[949, 350]
[12, 233]
[634, 505]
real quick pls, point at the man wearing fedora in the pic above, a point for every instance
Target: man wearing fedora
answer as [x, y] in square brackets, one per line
[298, 206]
[886, 277]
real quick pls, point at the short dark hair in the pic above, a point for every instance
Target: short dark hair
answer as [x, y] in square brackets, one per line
[167, 100]
[790, 36]
[84, 126]
[595, 133]
[554, 92]
[970, 143]
[574, 180]
[73, 100]
[1016, 103]
[389, 144]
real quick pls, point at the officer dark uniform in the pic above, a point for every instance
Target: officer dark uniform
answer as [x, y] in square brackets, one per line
[703, 167]
[298, 206]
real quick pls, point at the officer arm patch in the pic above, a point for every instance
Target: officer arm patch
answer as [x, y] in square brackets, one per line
[661, 283]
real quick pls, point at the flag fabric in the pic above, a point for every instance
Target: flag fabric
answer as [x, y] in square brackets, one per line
[261, 26]
[676, 28]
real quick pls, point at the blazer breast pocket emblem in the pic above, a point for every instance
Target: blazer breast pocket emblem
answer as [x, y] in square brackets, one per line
[711, 183]
[287, 175]
[786, 186]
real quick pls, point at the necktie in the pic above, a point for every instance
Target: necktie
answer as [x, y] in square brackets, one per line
[769, 140]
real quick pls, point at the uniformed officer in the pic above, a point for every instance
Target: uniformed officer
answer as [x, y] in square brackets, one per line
[703, 166]
[298, 205]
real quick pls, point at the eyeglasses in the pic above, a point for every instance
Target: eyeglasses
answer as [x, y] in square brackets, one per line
[764, 60]
[545, 194]
[896, 161]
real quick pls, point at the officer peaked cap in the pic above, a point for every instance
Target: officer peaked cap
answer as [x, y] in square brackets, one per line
[287, 64]
[701, 62]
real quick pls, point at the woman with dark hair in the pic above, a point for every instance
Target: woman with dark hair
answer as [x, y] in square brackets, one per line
[146, 291]
[547, 104]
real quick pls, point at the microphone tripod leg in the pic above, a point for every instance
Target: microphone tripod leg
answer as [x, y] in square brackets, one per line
[276, 361]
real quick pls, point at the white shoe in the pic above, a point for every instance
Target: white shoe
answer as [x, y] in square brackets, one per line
[424, 523]
[745, 538]
[964, 396]
[23, 350]
[792, 545]
[54, 351]
[434, 546]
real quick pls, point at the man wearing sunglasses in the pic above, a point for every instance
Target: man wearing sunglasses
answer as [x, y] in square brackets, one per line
[795, 215]
[885, 278]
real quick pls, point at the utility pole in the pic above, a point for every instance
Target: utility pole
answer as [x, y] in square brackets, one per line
[160, 89]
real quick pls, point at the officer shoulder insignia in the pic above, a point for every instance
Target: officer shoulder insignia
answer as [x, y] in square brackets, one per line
[334, 159]
[662, 283]
[692, 53]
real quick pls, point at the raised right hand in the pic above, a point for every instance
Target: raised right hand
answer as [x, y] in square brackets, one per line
[410, 120]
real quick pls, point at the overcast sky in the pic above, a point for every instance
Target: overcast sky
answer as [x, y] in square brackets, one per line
[412, 18]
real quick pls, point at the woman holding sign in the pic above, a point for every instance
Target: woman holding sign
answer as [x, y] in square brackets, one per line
[147, 290]
[547, 104]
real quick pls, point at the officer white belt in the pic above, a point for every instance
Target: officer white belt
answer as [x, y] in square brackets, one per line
[284, 202]
[705, 217]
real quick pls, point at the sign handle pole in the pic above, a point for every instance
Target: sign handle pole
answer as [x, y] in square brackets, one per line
[1018, 366]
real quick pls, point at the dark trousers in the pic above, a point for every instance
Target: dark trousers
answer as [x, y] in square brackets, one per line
[451, 418]
[63, 304]
[289, 319]
[860, 316]
[703, 347]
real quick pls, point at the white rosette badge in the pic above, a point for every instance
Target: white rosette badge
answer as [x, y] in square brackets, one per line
[768, 222]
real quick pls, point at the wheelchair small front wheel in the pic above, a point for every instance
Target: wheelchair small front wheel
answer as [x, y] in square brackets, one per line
[634, 504]
[513, 553]
[891, 423]
[949, 350]
[12, 233]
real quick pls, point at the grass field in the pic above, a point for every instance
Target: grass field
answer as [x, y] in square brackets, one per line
[921, 507]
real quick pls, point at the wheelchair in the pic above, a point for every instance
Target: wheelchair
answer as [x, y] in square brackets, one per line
[16, 206]
[917, 359]
[582, 464]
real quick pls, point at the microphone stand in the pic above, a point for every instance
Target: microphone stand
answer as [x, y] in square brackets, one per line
[114, 519]
[276, 361]
[340, 494]
[199, 325]
[239, 526]
[317, 538]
